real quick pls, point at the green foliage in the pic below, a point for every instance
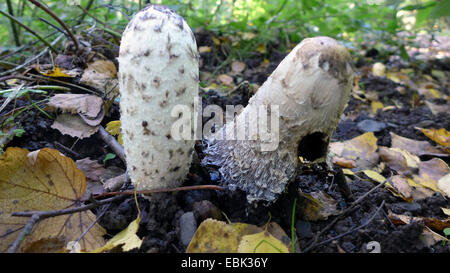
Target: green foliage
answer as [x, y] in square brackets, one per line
[283, 22]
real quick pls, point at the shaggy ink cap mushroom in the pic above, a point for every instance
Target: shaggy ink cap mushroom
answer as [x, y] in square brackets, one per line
[310, 88]
[158, 69]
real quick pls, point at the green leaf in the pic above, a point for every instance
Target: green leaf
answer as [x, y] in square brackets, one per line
[108, 157]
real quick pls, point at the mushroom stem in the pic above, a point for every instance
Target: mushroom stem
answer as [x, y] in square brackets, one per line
[305, 97]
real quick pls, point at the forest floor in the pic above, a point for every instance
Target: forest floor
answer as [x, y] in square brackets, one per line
[165, 217]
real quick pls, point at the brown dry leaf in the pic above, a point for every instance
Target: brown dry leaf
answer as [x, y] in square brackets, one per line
[429, 90]
[317, 206]
[91, 169]
[44, 180]
[415, 147]
[440, 136]
[102, 75]
[398, 159]
[226, 79]
[237, 67]
[88, 105]
[93, 172]
[430, 238]
[361, 150]
[430, 222]
[73, 126]
[400, 183]
[436, 109]
[430, 172]
[444, 184]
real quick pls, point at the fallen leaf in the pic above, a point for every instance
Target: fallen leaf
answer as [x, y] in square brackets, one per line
[444, 184]
[204, 49]
[430, 172]
[73, 126]
[398, 159]
[88, 105]
[113, 128]
[214, 236]
[415, 147]
[237, 67]
[361, 150]
[102, 75]
[226, 79]
[436, 109]
[38, 181]
[440, 136]
[316, 205]
[126, 239]
[59, 73]
[430, 238]
[262, 242]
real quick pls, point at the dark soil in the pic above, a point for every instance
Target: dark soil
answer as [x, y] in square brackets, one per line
[160, 214]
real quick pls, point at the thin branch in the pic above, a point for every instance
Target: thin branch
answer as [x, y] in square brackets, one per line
[314, 241]
[13, 25]
[61, 22]
[186, 188]
[352, 230]
[112, 143]
[26, 230]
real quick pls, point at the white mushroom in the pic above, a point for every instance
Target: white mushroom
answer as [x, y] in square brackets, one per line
[311, 87]
[158, 69]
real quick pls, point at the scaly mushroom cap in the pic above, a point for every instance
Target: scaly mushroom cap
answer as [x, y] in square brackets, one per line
[311, 87]
[158, 69]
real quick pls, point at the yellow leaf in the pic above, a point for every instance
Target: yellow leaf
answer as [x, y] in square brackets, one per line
[216, 41]
[374, 176]
[113, 127]
[261, 48]
[446, 211]
[361, 149]
[204, 49]
[38, 181]
[348, 172]
[262, 242]
[376, 105]
[57, 72]
[214, 236]
[440, 136]
[127, 238]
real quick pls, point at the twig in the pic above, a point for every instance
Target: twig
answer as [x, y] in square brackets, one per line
[54, 26]
[352, 230]
[12, 18]
[112, 143]
[26, 230]
[314, 241]
[67, 150]
[186, 188]
[13, 25]
[52, 14]
[37, 216]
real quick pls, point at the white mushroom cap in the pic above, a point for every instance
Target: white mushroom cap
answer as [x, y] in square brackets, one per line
[158, 69]
[311, 87]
